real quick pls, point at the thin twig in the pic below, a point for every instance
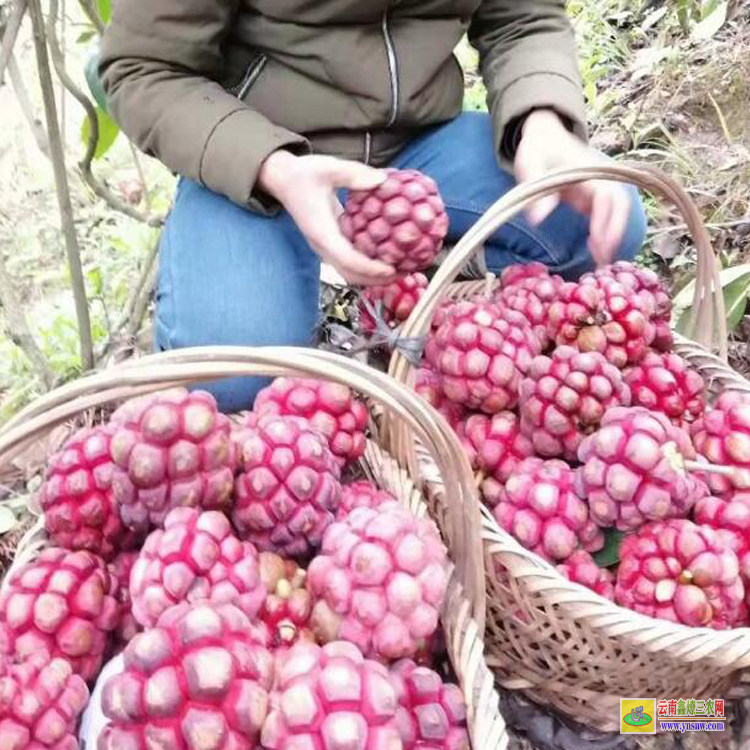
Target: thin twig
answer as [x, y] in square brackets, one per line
[57, 154]
[684, 227]
[141, 304]
[12, 27]
[722, 119]
[90, 179]
[92, 14]
[141, 176]
[27, 108]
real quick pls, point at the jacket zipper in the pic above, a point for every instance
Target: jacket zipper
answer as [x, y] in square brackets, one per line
[392, 69]
[368, 146]
[251, 75]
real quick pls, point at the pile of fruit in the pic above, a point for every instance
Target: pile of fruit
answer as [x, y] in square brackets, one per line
[255, 597]
[591, 439]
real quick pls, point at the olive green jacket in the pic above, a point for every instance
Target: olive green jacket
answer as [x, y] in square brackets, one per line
[212, 87]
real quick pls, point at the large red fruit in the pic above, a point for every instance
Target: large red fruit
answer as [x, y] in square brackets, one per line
[40, 703]
[120, 569]
[429, 385]
[195, 557]
[79, 508]
[362, 494]
[401, 222]
[581, 568]
[564, 397]
[540, 507]
[60, 605]
[431, 713]
[484, 354]
[395, 301]
[197, 681]
[600, 315]
[517, 273]
[331, 697]
[652, 296]
[331, 408]
[681, 572]
[379, 581]
[665, 383]
[633, 469]
[287, 490]
[171, 449]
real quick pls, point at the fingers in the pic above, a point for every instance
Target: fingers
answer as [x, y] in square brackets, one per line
[609, 219]
[541, 209]
[354, 175]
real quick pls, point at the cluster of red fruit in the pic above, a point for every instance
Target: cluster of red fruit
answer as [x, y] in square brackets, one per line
[256, 599]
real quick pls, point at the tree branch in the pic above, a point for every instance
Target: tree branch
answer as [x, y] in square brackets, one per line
[12, 27]
[57, 154]
[99, 188]
[24, 102]
[92, 14]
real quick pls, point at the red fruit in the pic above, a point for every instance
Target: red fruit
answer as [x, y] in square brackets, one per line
[197, 681]
[484, 354]
[665, 383]
[581, 568]
[195, 557]
[531, 295]
[379, 581]
[60, 605]
[633, 469]
[330, 407]
[600, 315]
[171, 449]
[497, 448]
[120, 569]
[431, 713]
[722, 436]
[331, 697]
[40, 703]
[395, 301]
[363, 494]
[429, 385]
[288, 605]
[401, 222]
[652, 296]
[432, 350]
[540, 507]
[77, 500]
[288, 489]
[681, 572]
[518, 273]
[565, 396]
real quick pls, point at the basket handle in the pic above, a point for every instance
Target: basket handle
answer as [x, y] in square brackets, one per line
[188, 366]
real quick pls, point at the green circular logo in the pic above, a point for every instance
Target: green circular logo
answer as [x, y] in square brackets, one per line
[641, 721]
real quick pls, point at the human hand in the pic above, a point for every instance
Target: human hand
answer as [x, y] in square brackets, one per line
[306, 186]
[547, 145]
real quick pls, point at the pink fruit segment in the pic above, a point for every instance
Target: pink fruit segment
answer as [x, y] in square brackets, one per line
[120, 569]
[394, 301]
[362, 494]
[581, 568]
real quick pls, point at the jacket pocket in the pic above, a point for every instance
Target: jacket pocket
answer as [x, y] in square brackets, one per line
[254, 69]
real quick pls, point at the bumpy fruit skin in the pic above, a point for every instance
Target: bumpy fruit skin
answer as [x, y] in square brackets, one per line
[652, 296]
[564, 397]
[379, 582]
[484, 354]
[665, 383]
[600, 315]
[722, 436]
[331, 408]
[362, 494]
[395, 301]
[431, 713]
[60, 605]
[288, 490]
[170, 449]
[40, 703]
[197, 681]
[581, 568]
[195, 557]
[497, 447]
[540, 507]
[518, 273]
[127, 626]
[531, 294]
[633, 469]
[401, 222]
[429, 385]
[332, 697]
[288, 604]
[79, 508]
[681, 572]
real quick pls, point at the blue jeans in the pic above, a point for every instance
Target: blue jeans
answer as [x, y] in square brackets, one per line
[229, 276]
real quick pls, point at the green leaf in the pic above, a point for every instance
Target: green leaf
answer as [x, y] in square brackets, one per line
[609, 555]
[710, 24]
[96, 283]
[7, 519]
[91, 71]
[105, 10]
[108, 132]
[685, 296]
[735, 301]
[86, 36]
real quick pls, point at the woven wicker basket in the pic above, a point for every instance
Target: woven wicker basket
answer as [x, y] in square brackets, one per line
[556, 641]
[463, 611]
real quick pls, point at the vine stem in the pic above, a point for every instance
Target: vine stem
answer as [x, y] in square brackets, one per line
[8, 40]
